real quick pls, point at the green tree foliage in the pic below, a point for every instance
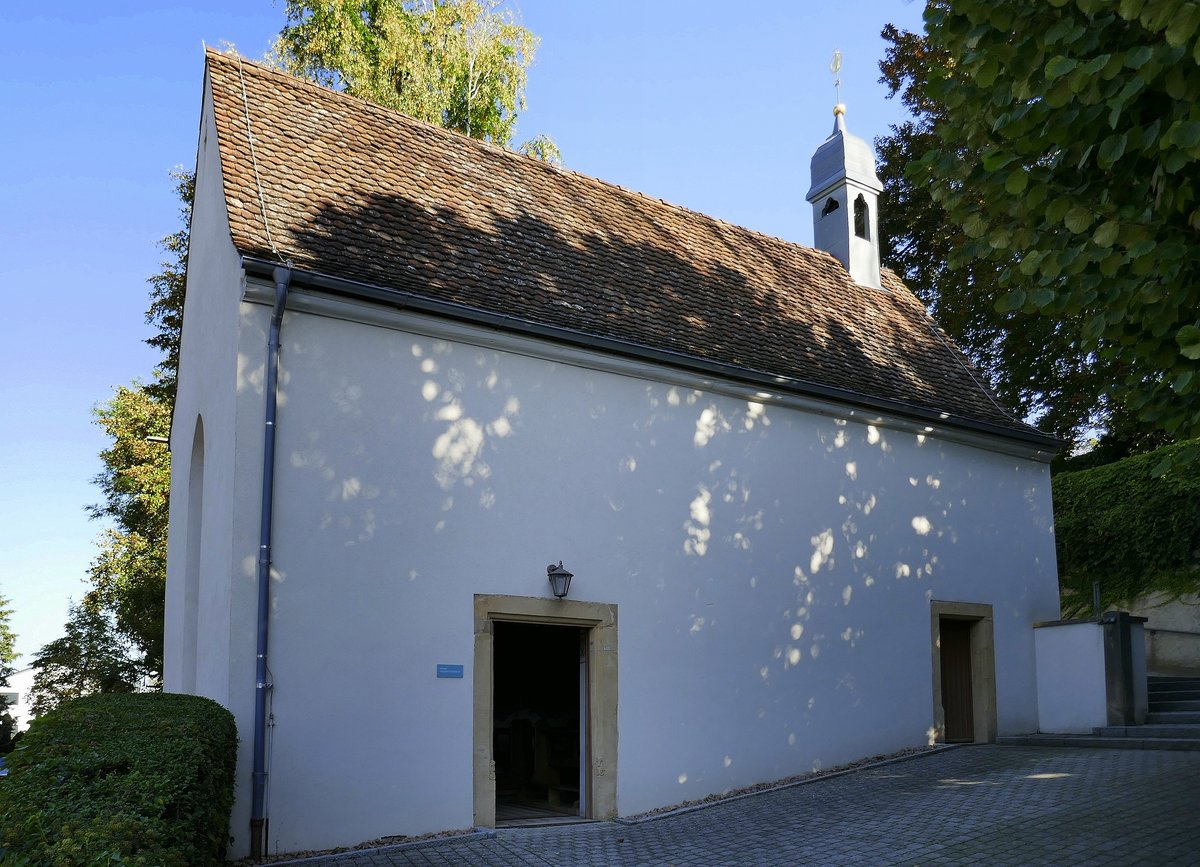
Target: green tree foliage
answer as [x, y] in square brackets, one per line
[8, 641]
[544, 148]
[8, 655]
[166, 292]
[1036, 364]
[460, 64]
[92, 657]
[1132, 531]
[457, 63]
[1071, 164]
[128, 576]
[9, 736]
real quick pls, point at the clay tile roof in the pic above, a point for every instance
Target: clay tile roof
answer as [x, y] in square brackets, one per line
[359, 192]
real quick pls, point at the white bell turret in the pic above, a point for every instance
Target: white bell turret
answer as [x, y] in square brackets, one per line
[845, 196]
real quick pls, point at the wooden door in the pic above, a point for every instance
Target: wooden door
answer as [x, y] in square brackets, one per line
[956, 681]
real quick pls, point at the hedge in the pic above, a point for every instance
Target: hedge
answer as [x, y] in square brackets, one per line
[142, 779]
[1131, 531]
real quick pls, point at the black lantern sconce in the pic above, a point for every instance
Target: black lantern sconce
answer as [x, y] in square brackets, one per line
[560, 579]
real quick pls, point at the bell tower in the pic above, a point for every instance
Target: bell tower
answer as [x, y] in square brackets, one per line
[845, 198]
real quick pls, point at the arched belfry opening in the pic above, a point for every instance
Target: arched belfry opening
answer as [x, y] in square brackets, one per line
[862, 218]
[843, 173]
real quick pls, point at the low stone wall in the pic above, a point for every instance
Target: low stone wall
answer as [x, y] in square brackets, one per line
[1171, 651]
[1172, 632]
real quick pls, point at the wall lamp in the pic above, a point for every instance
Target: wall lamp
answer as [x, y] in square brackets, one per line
[560, 579]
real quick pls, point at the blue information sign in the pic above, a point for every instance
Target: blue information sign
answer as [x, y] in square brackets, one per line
[444, 670]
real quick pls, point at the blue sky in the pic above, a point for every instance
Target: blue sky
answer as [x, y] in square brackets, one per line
[715, 106]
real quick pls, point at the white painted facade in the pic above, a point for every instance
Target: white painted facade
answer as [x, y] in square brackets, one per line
[1080, 676]
[773, 560]
[17, 694]
[1071, 683]
[773, 569]
[845, 202]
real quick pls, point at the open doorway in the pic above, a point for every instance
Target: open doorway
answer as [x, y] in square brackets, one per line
[539, 724]
[593, 623]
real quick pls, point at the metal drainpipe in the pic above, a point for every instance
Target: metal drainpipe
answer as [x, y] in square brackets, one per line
[283, 276]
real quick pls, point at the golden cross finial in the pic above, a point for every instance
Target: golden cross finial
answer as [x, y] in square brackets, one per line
[835, 66]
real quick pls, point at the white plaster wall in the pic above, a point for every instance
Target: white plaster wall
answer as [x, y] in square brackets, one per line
[211, 378]
[1072, 696]
[773, 571]
[208, 358]
[834, 232]
[20, 682]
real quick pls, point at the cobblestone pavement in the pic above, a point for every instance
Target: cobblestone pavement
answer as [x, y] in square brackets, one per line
[986, 804]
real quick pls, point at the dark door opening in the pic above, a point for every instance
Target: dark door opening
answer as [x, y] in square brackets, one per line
[539, 737]
[957, 693]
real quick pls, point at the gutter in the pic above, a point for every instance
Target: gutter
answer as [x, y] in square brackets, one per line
[407, 300]
[282, 276]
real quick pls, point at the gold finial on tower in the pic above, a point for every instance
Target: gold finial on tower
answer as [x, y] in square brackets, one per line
[835, 66]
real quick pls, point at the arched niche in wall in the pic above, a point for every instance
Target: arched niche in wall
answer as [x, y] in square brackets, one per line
[191, 587]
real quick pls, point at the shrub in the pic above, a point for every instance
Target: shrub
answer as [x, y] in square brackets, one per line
[1126, 528]
[142, 779]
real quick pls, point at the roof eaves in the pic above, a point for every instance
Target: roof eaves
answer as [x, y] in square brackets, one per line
[409, 300]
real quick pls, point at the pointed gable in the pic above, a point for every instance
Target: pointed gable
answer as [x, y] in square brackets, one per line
[360, 193]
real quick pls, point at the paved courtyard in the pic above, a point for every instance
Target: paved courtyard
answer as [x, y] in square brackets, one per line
[984, 804]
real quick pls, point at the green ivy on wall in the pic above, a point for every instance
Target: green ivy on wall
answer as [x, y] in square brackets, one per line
[1131, 531]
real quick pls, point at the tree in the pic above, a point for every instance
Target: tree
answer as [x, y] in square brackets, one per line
[92, 657]
[8, 655]
[8, 642]
[8, 732]
[129, 573]
[1036, 364]
[1071, 165]
[460, 64]
[167, 289]
[128, 576]
[542, 147]
[457, 63]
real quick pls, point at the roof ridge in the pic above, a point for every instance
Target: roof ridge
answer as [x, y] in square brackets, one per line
[492, 147]
[298, 81]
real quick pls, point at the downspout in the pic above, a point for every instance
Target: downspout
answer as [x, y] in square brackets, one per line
[283, 277]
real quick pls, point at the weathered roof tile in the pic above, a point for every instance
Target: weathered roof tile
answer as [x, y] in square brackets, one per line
[356, 191]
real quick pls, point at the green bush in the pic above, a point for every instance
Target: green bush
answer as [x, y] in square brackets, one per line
[143, 779]
[1131, 531]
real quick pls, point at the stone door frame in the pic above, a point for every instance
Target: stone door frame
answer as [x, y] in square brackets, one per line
[983, 666]
[600, 621]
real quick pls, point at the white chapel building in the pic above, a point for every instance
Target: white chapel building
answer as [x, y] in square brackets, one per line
[420, 372]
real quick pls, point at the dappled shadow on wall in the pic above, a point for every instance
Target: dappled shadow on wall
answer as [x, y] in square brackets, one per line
[835, 564]
[700, 288]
